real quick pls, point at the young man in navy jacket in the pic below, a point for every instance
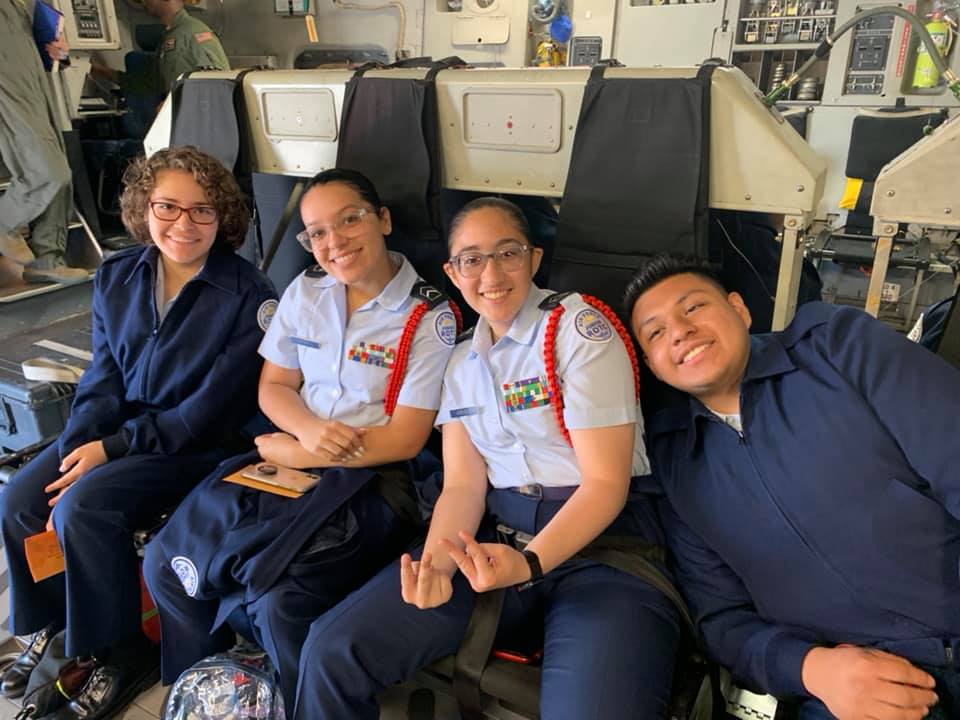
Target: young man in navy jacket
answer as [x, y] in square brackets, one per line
[812, 497]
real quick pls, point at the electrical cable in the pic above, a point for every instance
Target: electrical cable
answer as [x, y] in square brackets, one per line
[747, 261]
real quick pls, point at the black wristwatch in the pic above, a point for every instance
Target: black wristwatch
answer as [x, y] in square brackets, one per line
[536, 572]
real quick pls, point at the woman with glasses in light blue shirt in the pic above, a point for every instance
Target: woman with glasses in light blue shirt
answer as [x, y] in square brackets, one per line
[541, 436]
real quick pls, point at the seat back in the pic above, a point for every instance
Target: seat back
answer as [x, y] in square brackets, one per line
[209, 114]
[877, 137]
[638, 180]
[401, 157]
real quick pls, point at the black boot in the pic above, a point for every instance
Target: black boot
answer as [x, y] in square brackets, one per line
[14, 681]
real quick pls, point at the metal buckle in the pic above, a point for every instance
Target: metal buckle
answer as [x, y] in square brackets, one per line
[516, 539]
[533, 490]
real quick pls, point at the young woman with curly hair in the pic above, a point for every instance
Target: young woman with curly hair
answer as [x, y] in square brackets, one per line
[176, 327]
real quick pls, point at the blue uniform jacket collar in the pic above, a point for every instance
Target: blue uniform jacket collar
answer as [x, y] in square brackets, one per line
[217, 271]
[768, 358]
[395, 293]
[523, 329]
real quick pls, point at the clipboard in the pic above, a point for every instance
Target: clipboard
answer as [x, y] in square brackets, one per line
[47, 27]
[238, 479]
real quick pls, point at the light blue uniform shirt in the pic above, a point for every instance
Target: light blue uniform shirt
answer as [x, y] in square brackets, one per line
[500, 393]
[346, 365]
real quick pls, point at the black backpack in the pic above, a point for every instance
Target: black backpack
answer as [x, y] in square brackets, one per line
[52, 680]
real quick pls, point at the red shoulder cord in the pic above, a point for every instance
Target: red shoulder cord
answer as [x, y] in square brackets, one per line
[395, 382]
[550, 355]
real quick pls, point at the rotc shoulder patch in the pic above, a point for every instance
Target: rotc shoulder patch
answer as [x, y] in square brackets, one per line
[203, 37]
[526, 394]
[446, 327]
[592, 325]
[373, 354]
[187, 572]
[265, 313]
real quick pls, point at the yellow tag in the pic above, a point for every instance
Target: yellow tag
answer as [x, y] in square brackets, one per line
[44, 556]
[311, 28]
[850, 194]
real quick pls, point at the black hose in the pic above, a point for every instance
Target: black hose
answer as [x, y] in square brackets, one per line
[824, 49]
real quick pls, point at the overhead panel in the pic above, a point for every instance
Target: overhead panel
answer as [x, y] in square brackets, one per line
[523, 120]
[508, 130]
[303, 113]
[295, 119]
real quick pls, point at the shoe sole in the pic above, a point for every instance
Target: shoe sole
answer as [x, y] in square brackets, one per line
[29, 277]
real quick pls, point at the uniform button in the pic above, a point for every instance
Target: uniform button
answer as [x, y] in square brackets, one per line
[334, 393]
[334, 367]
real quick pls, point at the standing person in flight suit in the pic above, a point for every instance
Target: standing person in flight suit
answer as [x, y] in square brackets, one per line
[812, 497]
[610, 638]
[187, 44]
[353, 361]
[40, 194]
[175, 331]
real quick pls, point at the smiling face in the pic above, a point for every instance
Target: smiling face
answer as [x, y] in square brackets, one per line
[695, 337]
[353, 255]
[183, 242]
[496, 294]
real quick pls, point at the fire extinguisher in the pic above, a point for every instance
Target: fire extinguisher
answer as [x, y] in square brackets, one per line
[925, 73]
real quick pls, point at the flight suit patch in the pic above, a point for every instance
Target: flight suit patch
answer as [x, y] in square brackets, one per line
[203, 37]
[169, 44]
[187, 572]
[373, 354]
[526, 394]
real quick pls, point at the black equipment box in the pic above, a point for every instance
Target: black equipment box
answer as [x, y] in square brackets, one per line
[34, 413]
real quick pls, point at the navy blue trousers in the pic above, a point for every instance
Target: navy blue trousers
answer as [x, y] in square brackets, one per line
[610, 639]
[98, 597]
[609, 650]
[278, 620]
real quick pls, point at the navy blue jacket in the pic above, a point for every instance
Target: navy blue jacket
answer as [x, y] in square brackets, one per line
[183, 384]
[835, 518]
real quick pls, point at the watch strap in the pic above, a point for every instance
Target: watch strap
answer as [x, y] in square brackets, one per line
[536, 571]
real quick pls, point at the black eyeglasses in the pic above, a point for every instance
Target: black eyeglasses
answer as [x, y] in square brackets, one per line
[199, 214]
[471, 264]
